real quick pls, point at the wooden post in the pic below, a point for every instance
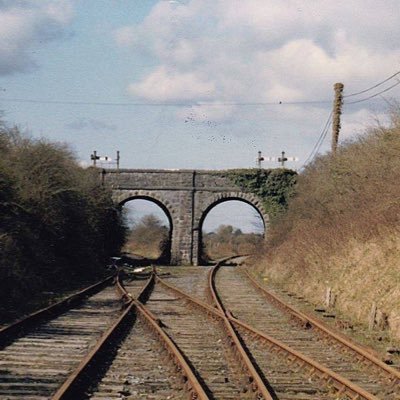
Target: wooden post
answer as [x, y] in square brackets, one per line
[337, 111]
[328, 295]
[372, 316]
[330, 298]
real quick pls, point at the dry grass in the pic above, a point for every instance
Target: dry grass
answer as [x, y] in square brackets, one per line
[342, 228]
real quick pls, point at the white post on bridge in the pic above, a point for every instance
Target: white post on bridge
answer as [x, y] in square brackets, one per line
[282, 159]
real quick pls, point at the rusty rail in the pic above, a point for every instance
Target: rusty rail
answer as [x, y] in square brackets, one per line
[392, 374]
[14, 330]
[255, 381]
[191, 383]
[339, 383]
[72, 386]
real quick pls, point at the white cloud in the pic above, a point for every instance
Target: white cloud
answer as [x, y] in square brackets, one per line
[264, 50]
[234, 51]
[163, 85]
[24, 24]
[60, 11]
[358, 122]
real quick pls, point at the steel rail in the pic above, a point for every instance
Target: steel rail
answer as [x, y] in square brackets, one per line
[341, 384]
[205, 306]
[71, 386]
[391, 373]
[191, 383]
[10, 332]
[255, 381]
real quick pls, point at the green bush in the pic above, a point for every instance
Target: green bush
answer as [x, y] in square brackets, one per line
[58, 225]
[274, 186]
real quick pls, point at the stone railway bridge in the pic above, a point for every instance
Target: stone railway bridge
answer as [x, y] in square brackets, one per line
[186, 196]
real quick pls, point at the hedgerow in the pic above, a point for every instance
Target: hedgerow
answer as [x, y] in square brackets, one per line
[352, 194]
[58, 225]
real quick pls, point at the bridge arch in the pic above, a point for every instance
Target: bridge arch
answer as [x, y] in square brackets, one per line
[155, 198]
[218, 198]
[149, 197]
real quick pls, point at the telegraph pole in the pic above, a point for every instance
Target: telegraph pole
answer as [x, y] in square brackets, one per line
[336, 112]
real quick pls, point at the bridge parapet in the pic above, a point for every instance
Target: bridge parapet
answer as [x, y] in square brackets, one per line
[179, 179]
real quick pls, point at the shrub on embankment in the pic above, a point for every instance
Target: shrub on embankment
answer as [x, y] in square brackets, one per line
[342, 229]
[58, 224]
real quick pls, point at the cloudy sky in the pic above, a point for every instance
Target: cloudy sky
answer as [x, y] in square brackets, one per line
[195, 83]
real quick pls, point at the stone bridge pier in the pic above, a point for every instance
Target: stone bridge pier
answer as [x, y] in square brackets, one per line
[186, 196]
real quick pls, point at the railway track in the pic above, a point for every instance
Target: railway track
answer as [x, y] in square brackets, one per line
[373, 378]
[201, 339]
[306, 335]
[193, 340]
[286, 373]
[91, 350]
[147, 364]
[38, 353]
[226, 340]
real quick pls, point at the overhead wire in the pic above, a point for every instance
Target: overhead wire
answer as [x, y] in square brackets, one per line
[374, 95]
[328, 123]
[171, 104]
[210, 104]
[144, 104]
[374, 86]
[320, 141]
[311, 156]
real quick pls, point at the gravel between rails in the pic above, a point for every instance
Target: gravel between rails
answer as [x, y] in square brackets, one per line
[202, 341]
[139, 370]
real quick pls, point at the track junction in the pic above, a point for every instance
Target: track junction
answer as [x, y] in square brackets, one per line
[184, 333]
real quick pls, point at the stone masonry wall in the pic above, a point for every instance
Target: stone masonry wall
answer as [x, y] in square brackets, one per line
[186, 196]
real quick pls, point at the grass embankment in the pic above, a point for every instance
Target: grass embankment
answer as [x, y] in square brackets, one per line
[58, 225]
[342, 230]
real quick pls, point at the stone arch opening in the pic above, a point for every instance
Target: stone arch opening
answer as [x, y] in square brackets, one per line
[237, 235]
[151, 228]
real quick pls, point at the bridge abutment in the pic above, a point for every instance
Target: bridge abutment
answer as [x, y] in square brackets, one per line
[181, 246]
